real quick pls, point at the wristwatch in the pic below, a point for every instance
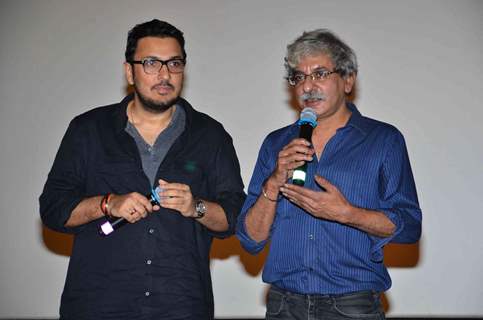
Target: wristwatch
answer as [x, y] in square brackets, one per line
[200, 209]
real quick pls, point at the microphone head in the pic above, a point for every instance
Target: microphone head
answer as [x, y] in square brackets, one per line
[155, 193]
[308, 116]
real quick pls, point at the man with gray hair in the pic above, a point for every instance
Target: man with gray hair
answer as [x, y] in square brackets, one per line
[327, 235]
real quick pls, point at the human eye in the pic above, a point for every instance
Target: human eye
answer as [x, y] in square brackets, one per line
[150, 62]
[321, 74]
[298, 77]
[177, 63]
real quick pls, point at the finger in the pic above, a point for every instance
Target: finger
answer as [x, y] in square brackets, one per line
[289, 193]
[141, 210]
[294, 165]
[323, 183]
[299, 198]
[176, 186]
[293, 188]
[169, 192]
[296, 150]
[130, 215]
[300, 193]
[134, 197]
[135, 216]
[173, 202]
[173, 193]
[298, 141]
[141, 204]
[293, 197]
[141, 215]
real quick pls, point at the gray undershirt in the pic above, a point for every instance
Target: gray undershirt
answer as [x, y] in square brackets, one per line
[152, 156]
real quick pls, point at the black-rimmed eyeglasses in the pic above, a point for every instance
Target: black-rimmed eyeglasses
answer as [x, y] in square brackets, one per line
[153, 66]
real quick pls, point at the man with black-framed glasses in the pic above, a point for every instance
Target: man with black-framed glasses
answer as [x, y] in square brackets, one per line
[328, 202]
[157, 163]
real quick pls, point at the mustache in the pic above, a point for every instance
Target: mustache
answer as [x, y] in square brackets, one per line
[313, 95]
[164, 83]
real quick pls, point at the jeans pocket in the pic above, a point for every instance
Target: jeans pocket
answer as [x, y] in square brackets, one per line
[275, 302]
[359, 306]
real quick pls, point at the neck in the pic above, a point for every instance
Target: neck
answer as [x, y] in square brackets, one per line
[334, 121]
[327, 127]
[139, 116]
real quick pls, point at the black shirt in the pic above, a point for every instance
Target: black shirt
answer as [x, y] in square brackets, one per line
[157, 268]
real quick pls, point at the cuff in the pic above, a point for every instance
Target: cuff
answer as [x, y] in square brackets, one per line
[378, 243]
[248, 243]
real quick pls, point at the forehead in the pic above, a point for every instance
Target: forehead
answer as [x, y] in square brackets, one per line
[316, 61]
[162, 48]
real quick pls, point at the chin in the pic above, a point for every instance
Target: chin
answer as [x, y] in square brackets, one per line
[317, 107]
[157, 102]
[158, 106]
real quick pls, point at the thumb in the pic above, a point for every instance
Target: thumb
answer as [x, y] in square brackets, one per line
[323, 183]
[161, 182]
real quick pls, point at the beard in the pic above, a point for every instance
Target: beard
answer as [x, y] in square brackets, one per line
[155, 106]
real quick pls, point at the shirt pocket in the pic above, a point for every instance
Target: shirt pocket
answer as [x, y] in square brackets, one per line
[186, 172]
[120, 177]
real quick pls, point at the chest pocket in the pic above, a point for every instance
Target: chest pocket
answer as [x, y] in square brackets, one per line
[121, 177]
[186, 172]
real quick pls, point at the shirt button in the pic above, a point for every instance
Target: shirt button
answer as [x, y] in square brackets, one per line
[151, 231]
[148, 262]
[311, 236]
[147, 293]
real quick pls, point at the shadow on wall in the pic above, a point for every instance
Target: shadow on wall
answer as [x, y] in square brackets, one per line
[57, 242]
[223, 249]
[395, 255]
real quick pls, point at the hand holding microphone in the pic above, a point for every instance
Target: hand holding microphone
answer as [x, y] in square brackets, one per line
[131, 207]
[292, 159]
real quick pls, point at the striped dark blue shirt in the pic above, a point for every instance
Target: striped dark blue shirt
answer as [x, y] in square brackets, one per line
[367, 161]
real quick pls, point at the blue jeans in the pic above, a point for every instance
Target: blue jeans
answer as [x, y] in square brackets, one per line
[284, 305]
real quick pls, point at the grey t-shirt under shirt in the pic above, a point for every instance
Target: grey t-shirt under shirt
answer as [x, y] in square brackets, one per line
[152, 156]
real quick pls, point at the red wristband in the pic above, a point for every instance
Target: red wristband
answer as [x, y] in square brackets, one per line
[105, 205]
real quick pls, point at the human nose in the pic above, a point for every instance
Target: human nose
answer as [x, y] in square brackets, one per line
[307, 83]
[163, 72]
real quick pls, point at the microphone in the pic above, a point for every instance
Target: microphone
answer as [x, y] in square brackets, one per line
[114, 223]
[307, 123]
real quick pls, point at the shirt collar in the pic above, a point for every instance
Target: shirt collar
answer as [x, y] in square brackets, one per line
[120, 118]
[357, 120]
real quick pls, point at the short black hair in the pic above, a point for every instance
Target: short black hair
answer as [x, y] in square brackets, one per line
[153, 28]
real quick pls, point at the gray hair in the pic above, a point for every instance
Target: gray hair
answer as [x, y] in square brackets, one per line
[321, 41]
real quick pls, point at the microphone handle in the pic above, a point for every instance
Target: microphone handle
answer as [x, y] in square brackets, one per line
[306, 132]
[300, 173]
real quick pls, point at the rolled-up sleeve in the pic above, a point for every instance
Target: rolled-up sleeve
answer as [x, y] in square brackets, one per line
[228, 184]
[263, 168]
[64, 188]
[398, 197]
